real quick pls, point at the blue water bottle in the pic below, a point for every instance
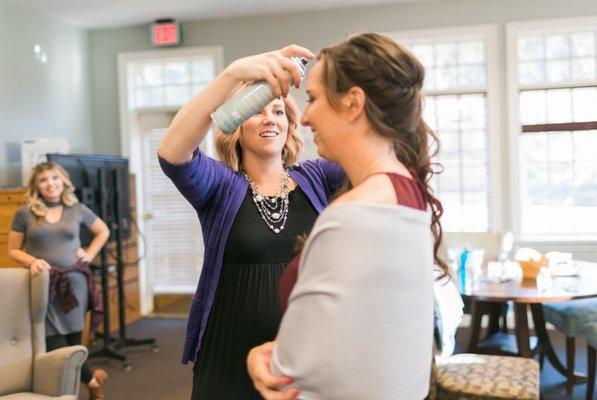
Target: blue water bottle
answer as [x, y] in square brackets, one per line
[462, 268]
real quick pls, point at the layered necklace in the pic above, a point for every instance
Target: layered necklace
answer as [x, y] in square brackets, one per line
[273, 209]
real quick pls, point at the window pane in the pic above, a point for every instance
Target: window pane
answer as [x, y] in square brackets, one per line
[150, 97]
[558, 194]
[560, 146]
[446, 77]
[475, 141]
[532, 107]
[429, 113]
[530, 48]
[450, 145]
[424, 53]
[531, 72]
[585, 178]
[176, 72]
[584, 102]
[447, 112]
[557, 70]
[585, 143]
[533, 147]
[559, 105]
[177, 95]
[203, 70]
[557, 47]
[150, 75]
[472, 111]
[471, 52]
[583, 68]
[561, 179]
[445, 54]
[471, 76]
[583, 44]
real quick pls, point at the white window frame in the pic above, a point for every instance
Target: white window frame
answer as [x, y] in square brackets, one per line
[488, 33]
[513, 30]
[130, 137]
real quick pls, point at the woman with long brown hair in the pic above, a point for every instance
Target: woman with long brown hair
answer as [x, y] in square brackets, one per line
[45, 235]
[359, 322]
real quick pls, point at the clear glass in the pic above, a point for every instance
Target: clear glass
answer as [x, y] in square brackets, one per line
[177, 73]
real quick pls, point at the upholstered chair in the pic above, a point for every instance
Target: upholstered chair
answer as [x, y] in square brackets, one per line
[27, 372]
[590, 332]
[475, 376]
[570, 318]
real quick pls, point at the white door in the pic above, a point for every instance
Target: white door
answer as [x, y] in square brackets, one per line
[175, 253]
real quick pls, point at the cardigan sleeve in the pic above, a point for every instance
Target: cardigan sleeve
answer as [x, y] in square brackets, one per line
[331, 174]
[198, 179]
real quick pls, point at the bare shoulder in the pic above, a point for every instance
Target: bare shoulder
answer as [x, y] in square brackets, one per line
[376, 189]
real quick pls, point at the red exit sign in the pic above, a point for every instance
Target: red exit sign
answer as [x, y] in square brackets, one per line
[165, 33]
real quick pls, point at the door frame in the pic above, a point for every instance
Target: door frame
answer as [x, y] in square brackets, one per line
[131, 144]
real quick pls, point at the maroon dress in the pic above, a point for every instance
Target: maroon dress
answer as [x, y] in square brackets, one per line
[408, 193]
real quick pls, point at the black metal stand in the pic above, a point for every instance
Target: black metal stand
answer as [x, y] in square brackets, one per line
[107, 339]
[111, 345]
[123, 340]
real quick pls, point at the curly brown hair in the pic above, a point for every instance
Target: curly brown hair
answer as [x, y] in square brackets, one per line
[392, 79]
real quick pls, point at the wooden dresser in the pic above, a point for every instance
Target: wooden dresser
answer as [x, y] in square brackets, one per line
[11, 200]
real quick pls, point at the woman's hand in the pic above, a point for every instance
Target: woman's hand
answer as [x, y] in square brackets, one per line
[83, 255]
[275, 67]
[38, 265]
[268, 385]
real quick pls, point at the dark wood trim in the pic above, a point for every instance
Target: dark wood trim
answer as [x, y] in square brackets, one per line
[566, 126]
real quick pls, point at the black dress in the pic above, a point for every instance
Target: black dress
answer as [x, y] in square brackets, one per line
[246, 309]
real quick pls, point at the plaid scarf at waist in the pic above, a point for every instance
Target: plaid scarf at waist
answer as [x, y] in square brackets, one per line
[61, 288]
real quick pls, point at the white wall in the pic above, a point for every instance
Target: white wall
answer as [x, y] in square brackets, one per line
[38, 99]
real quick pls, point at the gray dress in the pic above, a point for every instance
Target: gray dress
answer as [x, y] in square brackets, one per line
[57, 243]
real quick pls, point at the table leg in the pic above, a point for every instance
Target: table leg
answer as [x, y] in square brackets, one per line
[476, 318]
[544, 344]
[522, 330]
[543, 341]
[495, 312]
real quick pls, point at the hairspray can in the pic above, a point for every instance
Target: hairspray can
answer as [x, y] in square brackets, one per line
[248, 102]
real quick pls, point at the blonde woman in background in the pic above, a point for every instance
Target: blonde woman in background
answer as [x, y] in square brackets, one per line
[45, 235]
[252, 205]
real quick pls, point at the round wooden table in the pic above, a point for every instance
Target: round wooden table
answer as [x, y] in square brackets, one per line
[489, 297]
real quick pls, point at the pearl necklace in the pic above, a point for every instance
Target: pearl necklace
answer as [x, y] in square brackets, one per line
[273, 209]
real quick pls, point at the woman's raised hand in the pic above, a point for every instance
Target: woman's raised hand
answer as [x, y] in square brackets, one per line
[275, 67]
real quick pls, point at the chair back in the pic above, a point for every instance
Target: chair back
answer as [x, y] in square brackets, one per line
[23, 301]
[448, 315]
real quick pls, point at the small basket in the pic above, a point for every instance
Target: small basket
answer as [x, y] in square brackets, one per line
[530, 268]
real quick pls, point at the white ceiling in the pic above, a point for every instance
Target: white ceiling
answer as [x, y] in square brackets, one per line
[94, 14]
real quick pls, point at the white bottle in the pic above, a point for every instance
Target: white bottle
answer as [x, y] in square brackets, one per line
[248, 102]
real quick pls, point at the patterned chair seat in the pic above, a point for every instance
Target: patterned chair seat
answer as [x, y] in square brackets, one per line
[485, 377]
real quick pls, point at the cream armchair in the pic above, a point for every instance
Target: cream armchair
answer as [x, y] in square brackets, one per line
[27, 372]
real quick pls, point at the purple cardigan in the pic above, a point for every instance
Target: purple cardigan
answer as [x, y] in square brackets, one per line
[216, 192]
